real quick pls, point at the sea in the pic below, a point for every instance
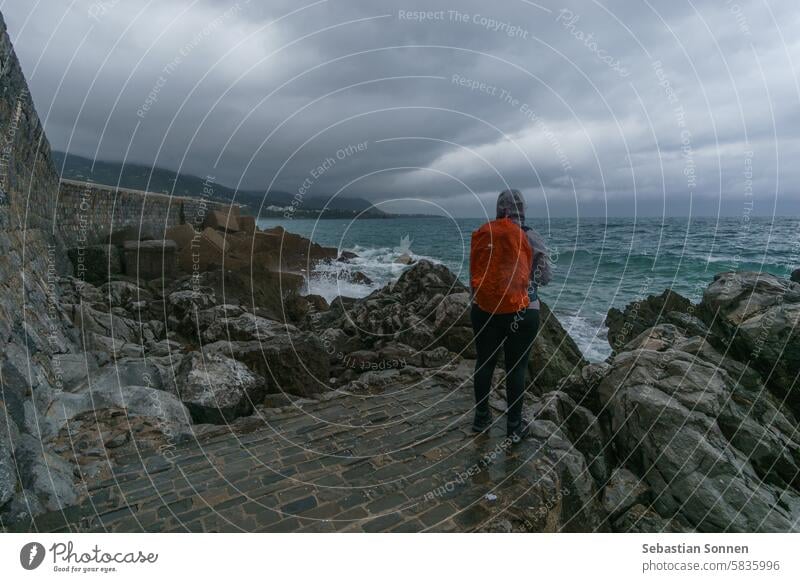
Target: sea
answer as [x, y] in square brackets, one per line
[598, 263]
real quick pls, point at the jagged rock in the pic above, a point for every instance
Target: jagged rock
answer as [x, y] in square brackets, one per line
[579, 425]
[217, 389]
[552, 489]
[582, 387]
[318, 302]
[294, 363]
[8, 477]
[254, 286]
[638, 316]
[336, 343]
[642, 519]
[346, 256]
[47, 475]
[715, 447]
[428, 307]
[72, 370]
[395, 355]
[622, 491]
[123, 294]
[74, 291]
[124, 372]
[136, 400]
[656, 338]
[297, 252]
[114, 348]
[404, 259]
[555, 355]
[404, 310]
[186, 303]
[759, 316]
[208, 317]
[358, 278]
[164, 348]
[23, 506]
[246, 327]
[453, 326]
[795, 276]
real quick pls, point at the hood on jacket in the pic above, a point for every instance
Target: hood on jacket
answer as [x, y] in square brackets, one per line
[511, 204]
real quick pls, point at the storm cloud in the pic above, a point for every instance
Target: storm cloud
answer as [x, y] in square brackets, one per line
[602, 108]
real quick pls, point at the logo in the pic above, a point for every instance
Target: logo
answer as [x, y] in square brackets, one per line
[31, 555]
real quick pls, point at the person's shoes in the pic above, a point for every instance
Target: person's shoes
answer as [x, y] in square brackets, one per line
[482, 422]
[521, 432]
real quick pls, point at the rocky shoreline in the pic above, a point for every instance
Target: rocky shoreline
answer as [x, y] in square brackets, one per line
[689, 426]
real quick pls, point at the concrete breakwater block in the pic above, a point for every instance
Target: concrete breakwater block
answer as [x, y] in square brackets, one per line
[183, 234]
[223, 220]
[151, 259]
[203, 251]
[247, 224]
[95, 263]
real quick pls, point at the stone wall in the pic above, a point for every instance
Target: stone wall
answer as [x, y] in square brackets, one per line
[87, 213]
[34, 330]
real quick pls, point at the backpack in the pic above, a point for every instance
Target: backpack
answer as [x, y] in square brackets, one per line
[500, 261]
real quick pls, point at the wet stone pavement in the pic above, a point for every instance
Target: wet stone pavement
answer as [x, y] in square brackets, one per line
[400, 461]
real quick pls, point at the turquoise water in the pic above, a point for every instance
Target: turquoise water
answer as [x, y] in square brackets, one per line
[599, 263]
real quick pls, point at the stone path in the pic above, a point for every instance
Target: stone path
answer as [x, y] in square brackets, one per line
[401, 461]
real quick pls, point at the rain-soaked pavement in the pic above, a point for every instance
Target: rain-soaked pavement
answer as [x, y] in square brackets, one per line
[387, 460]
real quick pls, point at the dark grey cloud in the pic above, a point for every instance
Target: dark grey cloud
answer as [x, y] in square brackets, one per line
[590, 108]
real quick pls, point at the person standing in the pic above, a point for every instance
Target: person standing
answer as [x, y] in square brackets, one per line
[508, 263]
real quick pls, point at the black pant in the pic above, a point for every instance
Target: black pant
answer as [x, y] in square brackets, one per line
[517, 331]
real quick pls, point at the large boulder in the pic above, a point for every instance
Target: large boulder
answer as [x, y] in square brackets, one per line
[622, 491]
[453, 325]
[123, 294]
[758, 315]
[297, 252]
[546, 487]
[555, 355]
[49, 477]
[795, 276]
[623, 326]
[716, 448]
[246, 327]
[185, 303]
[254, 286]
[405, 310]
[9, 436]
[289, 363]
[579, 425]
[135, 400]
[123, 372]
[217, 389]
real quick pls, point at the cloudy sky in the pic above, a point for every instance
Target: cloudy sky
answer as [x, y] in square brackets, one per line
[591, 108]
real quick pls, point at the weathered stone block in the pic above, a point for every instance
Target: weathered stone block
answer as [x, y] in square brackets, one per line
[151, 259]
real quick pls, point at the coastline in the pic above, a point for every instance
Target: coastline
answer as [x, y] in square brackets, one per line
[230, 347]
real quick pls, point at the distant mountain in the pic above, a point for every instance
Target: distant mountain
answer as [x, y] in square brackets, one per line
[141, 177]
